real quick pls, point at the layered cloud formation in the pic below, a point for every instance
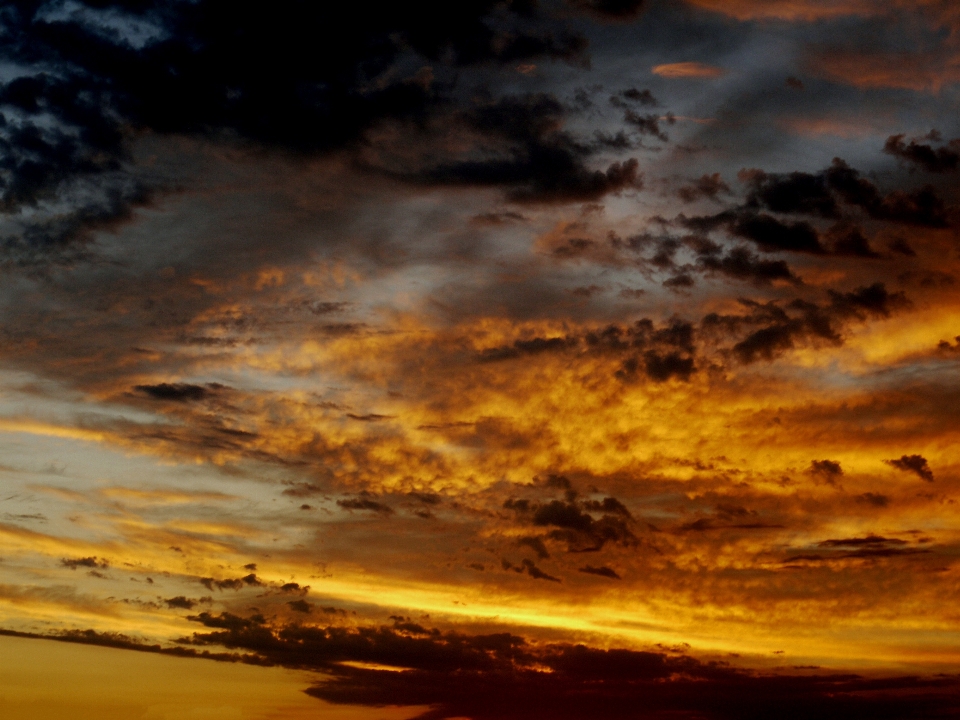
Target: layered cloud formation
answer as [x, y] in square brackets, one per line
[601, 353]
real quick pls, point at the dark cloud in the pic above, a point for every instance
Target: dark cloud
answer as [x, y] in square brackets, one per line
[945, 346]
[668, 348]
[797, 192]
[660, 367]
[365, 503]
[614, 141]
[501, 676]
[683, 280]
[404, 645]
[708, 186]
[587, 291]
[607, 505]
[369, 417]
[794, 82]
[939, 160]
[768, 342]
[561, 514]
[305, 78]
[902, 247]
[179, 392]
[828, 470]
[832, 194]
[574, 247]
[60, 236]
[921, 207]
[648, 124]
[180, 601]
[301, 606]
[782, 328]
[642, 97]
[869, 546]
[536, 573]
[325, 308]
[772, 235]
[333, 611]
[661, 353]
[228, 583]
[536, 544]
[849, 240]
[741, 264]
[875, 499]
[302, 77]
[531, 569]
[538, 161]
[87, 562]
[561, 482]
[602, 571]
[534, 346]
[916, 464]
[706, 524]
[871, 301]
[868, 540]
[337, 329]
[574, 523]
[426, 498]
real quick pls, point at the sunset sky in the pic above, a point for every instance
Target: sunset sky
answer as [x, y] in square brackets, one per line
[548, 359]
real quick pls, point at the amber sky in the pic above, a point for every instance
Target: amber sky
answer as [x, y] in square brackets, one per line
[493, 360]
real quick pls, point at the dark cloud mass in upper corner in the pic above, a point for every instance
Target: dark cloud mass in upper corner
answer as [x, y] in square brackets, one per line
[87, 77]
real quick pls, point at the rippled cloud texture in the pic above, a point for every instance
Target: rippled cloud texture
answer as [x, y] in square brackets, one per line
[594, 358]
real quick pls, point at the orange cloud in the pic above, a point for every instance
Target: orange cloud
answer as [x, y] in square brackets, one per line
[815, 127]
[943, 12]
[923, 72]
[920, 71]
[688, 70]
[802, 10]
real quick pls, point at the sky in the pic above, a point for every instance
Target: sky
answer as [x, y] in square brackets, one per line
[494, 360]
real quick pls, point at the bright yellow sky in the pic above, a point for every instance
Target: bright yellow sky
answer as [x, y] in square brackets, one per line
[44, 680]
